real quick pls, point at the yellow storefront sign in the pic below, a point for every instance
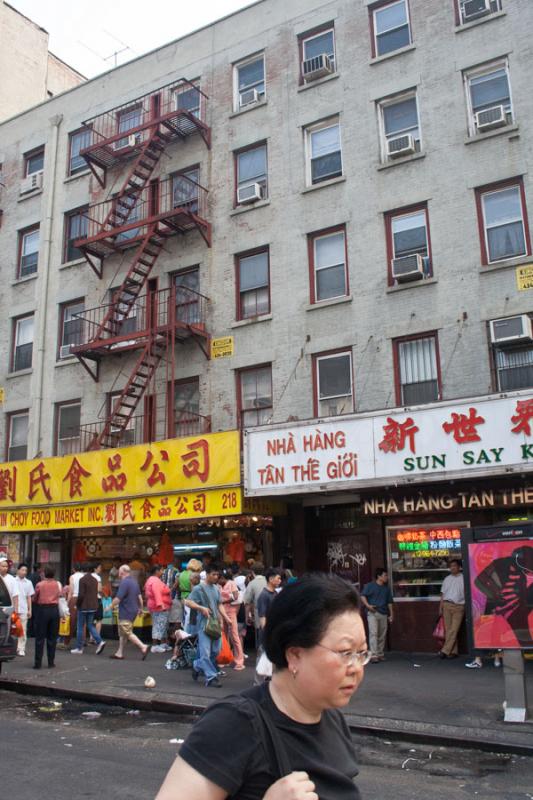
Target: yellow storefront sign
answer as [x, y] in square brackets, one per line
[524, 277]
[150, 508]
[222, 348]
[195, 463]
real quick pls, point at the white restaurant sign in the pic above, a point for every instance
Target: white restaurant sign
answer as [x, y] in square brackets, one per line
[483, 436]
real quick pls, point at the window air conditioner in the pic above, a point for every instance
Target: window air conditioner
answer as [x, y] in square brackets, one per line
[31, 183]
[511, 329]
[401, 146]
[490, 118]
[472, 9]
[64, 351]
[249, 194]
[249, 97]
[408, 268]
[134, 139]
[317, 67]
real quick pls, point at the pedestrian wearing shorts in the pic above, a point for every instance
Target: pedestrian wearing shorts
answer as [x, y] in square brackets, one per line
[129, 601]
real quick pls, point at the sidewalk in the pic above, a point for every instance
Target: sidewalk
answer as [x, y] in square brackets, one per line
[409, 695]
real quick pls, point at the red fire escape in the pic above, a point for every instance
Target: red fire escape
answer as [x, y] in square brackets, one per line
[140, 217]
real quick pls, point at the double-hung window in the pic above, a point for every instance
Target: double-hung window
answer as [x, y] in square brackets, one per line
[127, 119]
[28, 252]
[68, 417]
[255, 401]
[34, 162]
[417, 370]
[188, 298]
[249, 82]
[252, 174]
[324, 156]
[334, 384]
[17, 436]
[71, 327]
[329, 273]
[77, 142]
[514, 367]
[132, 432]
[185, 189]
[400, 126]
[391, 27]
[22, 343]
[187, 420]
[408, 244]
[503, 221]
[488, 94]
[253, 281]
[188, 98]
[318, 53]
[76, 227]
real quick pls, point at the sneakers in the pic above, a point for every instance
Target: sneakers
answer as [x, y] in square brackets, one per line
[474, 665]
[497, 661]
[214, 682]
[21, 653]
[77, 651]
[158, 648]
[166, 648]
[100, 647]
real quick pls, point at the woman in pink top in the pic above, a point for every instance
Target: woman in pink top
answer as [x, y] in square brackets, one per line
[46, 623]
[158, 601]
[229, 592]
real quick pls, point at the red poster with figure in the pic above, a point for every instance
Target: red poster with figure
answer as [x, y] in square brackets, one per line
[500, 575]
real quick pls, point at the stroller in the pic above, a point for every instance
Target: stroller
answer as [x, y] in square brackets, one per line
[185, 651]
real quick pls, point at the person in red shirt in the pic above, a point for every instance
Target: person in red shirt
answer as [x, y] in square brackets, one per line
[158, 601]
[46, 596]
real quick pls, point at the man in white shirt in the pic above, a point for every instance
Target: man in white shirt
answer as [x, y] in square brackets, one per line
[10, 582]
[452, 607]
[72, 598]
[26, 592]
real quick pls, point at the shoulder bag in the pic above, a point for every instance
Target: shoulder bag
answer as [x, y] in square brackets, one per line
[212, 628]
[272, 744]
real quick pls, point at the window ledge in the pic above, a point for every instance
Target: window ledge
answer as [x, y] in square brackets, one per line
[27, 195]
[411, 285]
[386, 56]
[25, 279]
[248, 108]
[480, 137]
[77, 175]
[397, 161]
[475, 22]
[309, 85]
[19, 373]
[74, 263]
[240, 323]
[334, 301]
[64, 362]
[508, 263]
[249, 207]
[323, 184]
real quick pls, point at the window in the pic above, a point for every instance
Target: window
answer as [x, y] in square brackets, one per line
[328, 264]
[488, 92]
[470, 10]
[23, 343]
[324, 152]
[127, 119]
[34, 162]
[131, 433]
[503, 221]
[249, 81]
[514, 368]
[68, 428]
[136, 210]
[333, 381]
[251, 166]
[391, 27]
[77, 141]
[28, 252]
[76, 226]
[17, 436]
[134, 318]
[400, 126]
[71, 326]
[408, 235]
[255, 396]
[185, 189]
[188, 99]
[253, 284]
[187, 407]
[417, 370]
[315, 45]
[188, 307]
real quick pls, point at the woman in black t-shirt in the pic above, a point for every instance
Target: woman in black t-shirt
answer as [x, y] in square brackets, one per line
[315, 638]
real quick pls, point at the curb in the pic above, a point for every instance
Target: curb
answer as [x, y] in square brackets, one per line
[509, 740]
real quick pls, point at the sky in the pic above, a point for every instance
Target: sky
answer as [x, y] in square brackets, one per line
[87, 33]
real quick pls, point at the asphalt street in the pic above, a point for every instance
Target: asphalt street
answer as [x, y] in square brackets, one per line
[65, 749]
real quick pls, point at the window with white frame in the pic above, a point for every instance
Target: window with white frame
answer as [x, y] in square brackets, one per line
[17, 448]
[256, 396]
[71, 327]
[489, 100]
[249, 81]
[76, 227]
[418, 370]
[504, 223]
[185, 189]
[408, 234]
[68, 428]
[471, 10]
[34, 162]
[29, 252]
[324, 156]
[128, 119]
[188, 98]
[253, 280]
[334, 384]
[329, 271]
[392, 29]
[400, 126]
[131, 433]
[252, 176]
[77, 142]
[23, 343]
[318, 53]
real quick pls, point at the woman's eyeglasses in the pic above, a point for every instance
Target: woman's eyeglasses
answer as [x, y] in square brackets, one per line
[350, 657]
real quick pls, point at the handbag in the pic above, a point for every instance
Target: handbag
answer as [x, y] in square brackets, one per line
[271, 741]
[439, 631]
[213, 628]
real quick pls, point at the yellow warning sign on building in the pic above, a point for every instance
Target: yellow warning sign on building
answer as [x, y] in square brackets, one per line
[222, 348]
[524, 277]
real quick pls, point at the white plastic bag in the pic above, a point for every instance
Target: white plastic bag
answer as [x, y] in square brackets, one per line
[264, 666]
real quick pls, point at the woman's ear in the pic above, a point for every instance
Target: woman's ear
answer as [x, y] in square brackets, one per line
[293, 656]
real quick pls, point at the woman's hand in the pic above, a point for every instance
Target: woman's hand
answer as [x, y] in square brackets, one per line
[296, 786]
[205, 611]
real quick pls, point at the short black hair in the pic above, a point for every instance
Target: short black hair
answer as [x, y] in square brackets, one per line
[155, 568]
[301, 613]
[49, 571]
[455, 561]
[379, 572]
[271, 572]
[212, 567]
[23, 564]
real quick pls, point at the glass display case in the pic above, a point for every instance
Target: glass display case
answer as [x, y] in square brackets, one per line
[419, 556]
